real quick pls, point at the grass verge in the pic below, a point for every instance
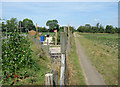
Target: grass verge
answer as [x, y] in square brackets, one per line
[103, 57]
[76, 75]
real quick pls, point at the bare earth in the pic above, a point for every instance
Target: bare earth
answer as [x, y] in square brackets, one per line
[91, 74]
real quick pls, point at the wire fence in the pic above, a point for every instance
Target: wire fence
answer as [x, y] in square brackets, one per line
[67, 58]
[64, 69]
[44, 47]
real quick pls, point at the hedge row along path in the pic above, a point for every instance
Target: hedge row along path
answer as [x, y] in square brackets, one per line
[91, 74]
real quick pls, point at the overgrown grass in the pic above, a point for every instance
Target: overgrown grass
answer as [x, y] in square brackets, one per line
[77, 77]
[41, 66]
[109, 40]
[102, 50]
[50, 33]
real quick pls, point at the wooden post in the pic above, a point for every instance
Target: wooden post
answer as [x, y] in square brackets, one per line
[36, 30]
[62, 72]
[65, 30]
[68, 39]
[68, 30]
[56, 39]
[49, 80]
[63, 36]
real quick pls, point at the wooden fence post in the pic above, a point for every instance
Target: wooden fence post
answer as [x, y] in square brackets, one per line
[68, 39]
[65, 29]
[63, 37]
[68, 30]
[56, 39]
[36, 30]
[63, 51]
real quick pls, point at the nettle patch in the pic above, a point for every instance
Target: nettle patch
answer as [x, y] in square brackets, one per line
[16, 56]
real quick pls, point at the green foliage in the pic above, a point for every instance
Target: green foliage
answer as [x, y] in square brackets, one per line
[3, 27]
[81, 29]
[72, 29]
[110, 40]
[28, 24]
[16, 55]
[11, 24]
[53, 24]
[102, 50]
[109, 29]
[98, 29]
[42, 29]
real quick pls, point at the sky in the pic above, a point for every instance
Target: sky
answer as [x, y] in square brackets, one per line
[72, 13]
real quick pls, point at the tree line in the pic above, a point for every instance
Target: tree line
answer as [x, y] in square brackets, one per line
[27, 24]
[98, 29]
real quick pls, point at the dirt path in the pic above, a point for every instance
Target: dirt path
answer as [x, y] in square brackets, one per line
[91, 74]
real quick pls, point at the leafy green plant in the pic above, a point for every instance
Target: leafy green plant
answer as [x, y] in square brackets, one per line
[16, 55]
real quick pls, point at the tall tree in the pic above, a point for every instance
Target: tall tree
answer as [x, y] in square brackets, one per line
[109, 29]
[12, 24]
[28, 24]
[53, 24]
[101, 29]
[81, 29]
[87, 28]
[97, 28]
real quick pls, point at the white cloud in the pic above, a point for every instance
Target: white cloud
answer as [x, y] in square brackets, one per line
[96, 19]
[59, 0]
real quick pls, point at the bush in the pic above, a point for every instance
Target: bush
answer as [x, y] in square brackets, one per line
[16, 55]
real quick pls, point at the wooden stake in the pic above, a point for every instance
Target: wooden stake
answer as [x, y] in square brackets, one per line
[68, 37]
[68, 31]
[36, 30]
[63, 37]
[56, 39]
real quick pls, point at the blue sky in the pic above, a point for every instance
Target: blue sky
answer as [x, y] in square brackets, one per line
[73, 13]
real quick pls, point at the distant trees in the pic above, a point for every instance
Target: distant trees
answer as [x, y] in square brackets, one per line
[13, 24]
[28, 24]
[72, 29]
[98, 29]
[42, 29]
[53, 25]
[101, 29]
